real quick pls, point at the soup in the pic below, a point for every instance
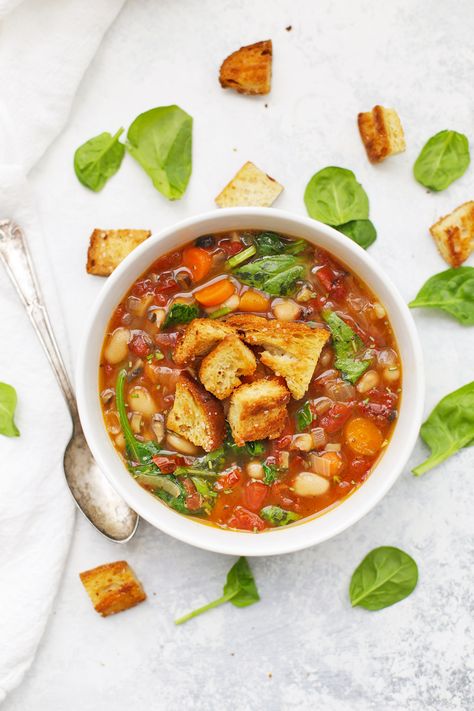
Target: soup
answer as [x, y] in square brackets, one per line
[249, 380]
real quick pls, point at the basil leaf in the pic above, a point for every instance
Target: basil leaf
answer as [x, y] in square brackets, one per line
[8, 401]
[269, 243]
[449, 427]
[275, 275]
[161, 141]
[346, 345]
[451, 291]
[443, 159]
[360, 231]
[304, 417]
[98, 159]
[240, 589]
[385, 576]
[278, 516]
[180, 313]
[334, 196]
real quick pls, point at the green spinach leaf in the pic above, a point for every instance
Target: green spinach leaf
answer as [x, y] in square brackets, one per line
[209, 465]
[270, 473]
[449, 428]
[269, 243]
[8, 401]
[304, 417]
[240, 589]
[347, 344]
[161, 141]
[98, 159]
[140, 453]
[443, 159]
[276, 275]
[278, 516]
[451, 291]
[334, 196]
[385, 576]
[180, 313]
[360, 231]
[256, 448]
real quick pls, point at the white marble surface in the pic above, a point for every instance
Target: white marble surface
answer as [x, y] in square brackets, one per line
[302, 646]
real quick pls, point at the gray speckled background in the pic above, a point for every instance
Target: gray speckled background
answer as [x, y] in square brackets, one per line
[302, 646]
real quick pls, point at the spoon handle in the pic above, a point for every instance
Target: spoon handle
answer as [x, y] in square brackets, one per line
[16, 258]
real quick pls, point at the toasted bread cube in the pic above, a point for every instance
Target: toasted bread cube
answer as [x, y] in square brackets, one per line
[454, 234]
[257, 410]
[291, 349]
[220, 371]
[249, 69]
[196, 415]
[381, 132]
[249, 187]
[198, 338]
[107, 248]
[112, 587]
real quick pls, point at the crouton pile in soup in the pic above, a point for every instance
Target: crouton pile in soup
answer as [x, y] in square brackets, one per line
[249, 380]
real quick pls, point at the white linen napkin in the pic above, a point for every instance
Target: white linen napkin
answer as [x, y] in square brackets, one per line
[45, 48]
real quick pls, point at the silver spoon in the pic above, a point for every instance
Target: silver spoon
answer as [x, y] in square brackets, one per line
[97, 500]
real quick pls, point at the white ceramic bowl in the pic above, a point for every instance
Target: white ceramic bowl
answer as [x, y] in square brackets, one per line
[312, 530]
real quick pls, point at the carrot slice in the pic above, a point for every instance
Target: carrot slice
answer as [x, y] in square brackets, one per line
[216, 293]
[198, 261]
[253, 301]
[362, 436]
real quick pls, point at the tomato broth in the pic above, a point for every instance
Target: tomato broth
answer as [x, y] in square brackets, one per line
[329, 439]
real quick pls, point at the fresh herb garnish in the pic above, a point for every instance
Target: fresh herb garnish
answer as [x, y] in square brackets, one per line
[240, 589]
[276, 275]
[8, 402]
[449, 428]
[98, 159]
[278, 516]
[270, 243]
[346, 345]
[240, 257]
[443, 159]
[451, 291]
[360, 231]
[385, 576]
[304, 417]
[161, 141]
[180, 313]
[334, 197]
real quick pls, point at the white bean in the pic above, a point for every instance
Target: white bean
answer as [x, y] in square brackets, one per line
[369, 380]
[255, 470]
[179, 444]
[391, 374]
[286, 310]
[140, 400]
[116, 349]
[303, 442]
[379, 310]
[309, 484]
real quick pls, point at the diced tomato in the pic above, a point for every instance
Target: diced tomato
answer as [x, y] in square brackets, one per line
[255, 494]
[166, 340]
[142, 287]
[230, 248]
[229, 480]
[326, 276]
[338, 289]
[245, 520]
[108, 369]
[160, 299]
[358, 468]
[193, 499]
[336, 417]
[139, 346]
[379, 406]
[165, 464]
[168, 261]
[283, 442]
[166, 284]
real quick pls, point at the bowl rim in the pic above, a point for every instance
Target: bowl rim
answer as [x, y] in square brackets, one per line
[312, 530]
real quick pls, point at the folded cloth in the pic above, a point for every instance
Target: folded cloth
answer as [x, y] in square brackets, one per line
[45, 49]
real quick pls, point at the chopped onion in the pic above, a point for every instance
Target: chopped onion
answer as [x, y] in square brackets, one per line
[283, 459]
[387, 357]
[340, 391]
[318, 436]
[107, 395]
[322, 405]
[333, 447]
[319, 465]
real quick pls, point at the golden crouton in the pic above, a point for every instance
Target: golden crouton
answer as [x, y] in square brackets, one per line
[249, 70]
[107, 248]
[381, 132]
[258, 410]
[291, 349]
[220, 370]
[112, 587]
[196, 415]
[249, 187]
[198, 338]
[454, 234]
